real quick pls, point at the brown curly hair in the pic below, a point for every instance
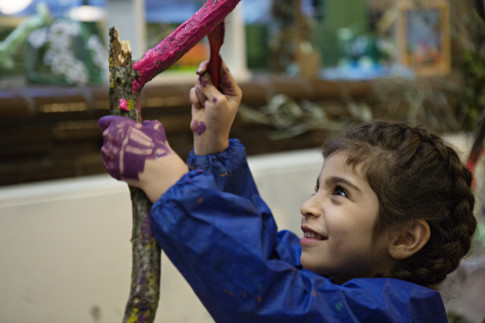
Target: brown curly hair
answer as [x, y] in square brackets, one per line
[415, 175]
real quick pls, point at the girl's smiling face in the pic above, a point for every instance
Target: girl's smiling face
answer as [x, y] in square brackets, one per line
[338, 222]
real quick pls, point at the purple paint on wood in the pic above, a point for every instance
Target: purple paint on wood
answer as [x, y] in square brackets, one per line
[146, 227]
[142, 280]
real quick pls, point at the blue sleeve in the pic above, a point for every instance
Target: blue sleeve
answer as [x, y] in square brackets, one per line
[243, 270]
[230, 170]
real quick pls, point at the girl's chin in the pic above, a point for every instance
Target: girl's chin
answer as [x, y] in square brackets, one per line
[306, 260]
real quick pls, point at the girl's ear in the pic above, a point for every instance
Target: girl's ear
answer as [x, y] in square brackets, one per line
[409, 240]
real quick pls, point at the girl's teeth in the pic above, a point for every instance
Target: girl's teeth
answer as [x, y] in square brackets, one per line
[312, 235]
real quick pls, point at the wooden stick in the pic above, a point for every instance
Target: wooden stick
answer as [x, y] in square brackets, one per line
[216, 38]
[145, 274]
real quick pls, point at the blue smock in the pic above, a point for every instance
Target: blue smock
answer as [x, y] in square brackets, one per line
[222, 237]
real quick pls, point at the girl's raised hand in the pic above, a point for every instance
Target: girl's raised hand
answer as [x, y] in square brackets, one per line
[213, 110]
[140, 155]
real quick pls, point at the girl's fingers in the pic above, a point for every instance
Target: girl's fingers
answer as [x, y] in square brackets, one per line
[228, 83]
[202, 68]
[201, 97]
[226, 74]
[205, 89]
[206, 86]
[194, 98]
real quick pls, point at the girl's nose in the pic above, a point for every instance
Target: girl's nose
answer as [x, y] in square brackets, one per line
[310, 208]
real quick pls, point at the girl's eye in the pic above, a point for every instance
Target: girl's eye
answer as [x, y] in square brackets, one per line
[339, 190]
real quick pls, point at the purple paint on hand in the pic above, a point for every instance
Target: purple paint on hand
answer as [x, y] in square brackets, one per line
[214, 100]
[202, 81]
[128, 144]
[198, 127]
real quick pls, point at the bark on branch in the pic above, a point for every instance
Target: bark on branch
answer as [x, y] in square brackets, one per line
[145, 275]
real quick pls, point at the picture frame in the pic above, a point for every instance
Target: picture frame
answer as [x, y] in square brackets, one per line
[423, 36]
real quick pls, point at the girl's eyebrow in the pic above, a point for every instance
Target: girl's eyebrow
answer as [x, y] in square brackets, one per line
[340, 180]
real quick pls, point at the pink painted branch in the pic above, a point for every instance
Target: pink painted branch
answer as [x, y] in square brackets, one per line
[181, 40]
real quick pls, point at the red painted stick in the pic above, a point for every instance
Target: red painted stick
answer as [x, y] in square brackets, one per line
[477, 150]
[216, 38]
[181, 40]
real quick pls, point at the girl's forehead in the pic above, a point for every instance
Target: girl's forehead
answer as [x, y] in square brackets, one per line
[338, 162]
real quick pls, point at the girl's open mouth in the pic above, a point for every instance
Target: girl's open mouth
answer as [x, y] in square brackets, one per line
[309, 235]
[313, 235]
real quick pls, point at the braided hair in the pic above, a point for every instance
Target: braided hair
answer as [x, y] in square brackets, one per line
[415, 175]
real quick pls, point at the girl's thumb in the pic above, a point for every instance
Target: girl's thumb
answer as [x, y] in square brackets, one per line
[205, 80]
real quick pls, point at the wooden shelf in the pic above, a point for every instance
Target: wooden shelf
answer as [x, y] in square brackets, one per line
[50, 132]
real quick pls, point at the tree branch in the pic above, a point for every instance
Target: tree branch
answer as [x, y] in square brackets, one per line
[145, 274]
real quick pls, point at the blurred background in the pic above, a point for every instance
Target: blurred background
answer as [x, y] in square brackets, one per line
[307, 68]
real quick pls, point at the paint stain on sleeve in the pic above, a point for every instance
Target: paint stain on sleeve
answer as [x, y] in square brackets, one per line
[228, 292]
[339, 306]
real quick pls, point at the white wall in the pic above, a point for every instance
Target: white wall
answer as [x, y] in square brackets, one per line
[65, 247]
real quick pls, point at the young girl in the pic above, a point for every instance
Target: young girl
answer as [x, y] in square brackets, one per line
[391, 216]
